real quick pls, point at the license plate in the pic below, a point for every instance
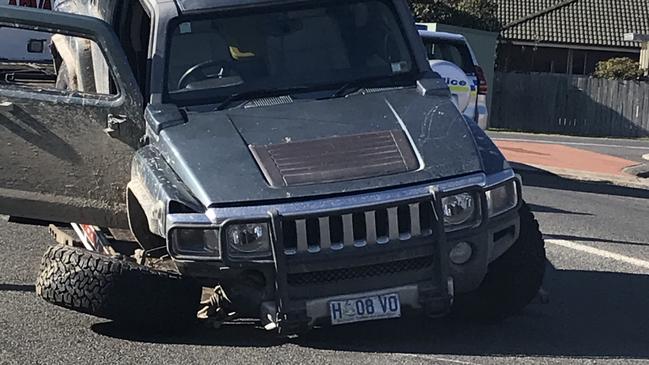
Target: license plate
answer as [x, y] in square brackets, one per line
[365, 309]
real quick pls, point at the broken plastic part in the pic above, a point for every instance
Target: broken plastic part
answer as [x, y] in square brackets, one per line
[6, 106]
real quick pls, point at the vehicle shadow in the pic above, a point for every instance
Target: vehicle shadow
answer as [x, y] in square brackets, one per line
[38, 134]
[18, 288]
[593, 239]
[590, 315]
[543, 179]
[536, 208]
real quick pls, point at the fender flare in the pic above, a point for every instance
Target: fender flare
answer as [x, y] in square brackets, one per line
[153, 192]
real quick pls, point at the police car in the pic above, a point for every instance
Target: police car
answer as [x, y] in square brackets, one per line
[451, 56]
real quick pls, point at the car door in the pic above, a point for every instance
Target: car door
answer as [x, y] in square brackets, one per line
[65, 155]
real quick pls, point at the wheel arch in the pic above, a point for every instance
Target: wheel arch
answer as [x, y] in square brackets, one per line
[153, 192]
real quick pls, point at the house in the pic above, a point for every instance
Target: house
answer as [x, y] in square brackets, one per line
[568, 36]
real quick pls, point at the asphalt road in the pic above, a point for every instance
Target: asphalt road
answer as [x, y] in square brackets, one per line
[598, 248]
[630, 149]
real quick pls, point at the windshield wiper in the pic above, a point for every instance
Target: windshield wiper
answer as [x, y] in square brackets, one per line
[251, 94]
[353, 86]
[346, 89]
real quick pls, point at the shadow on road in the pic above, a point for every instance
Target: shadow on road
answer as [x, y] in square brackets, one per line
[591, 315]
[591, 239]
[17, 288]
[536, 208]
[244, 334]
[544, 179]
[38, 134]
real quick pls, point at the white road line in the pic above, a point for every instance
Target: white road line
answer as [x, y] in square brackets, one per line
[571, 143]
[598, 252]
[437, 359]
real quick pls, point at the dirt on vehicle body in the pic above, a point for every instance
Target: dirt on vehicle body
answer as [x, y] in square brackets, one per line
[299, 156]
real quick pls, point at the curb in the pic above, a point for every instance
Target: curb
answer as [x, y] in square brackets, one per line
[585, 176]
[641, 171]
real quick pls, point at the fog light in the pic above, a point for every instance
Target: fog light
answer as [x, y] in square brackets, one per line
[461, 253]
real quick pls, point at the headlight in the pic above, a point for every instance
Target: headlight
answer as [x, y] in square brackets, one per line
[248, 240]
[461, 211]
[502, 199]
[195, 242]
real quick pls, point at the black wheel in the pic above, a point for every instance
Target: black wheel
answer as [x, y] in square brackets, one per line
[116, 289]
[513, 280]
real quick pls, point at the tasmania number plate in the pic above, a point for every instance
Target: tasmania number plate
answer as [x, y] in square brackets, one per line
[365, 309]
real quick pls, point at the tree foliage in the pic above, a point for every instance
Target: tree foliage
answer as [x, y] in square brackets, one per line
[477, 14]
[619, 69]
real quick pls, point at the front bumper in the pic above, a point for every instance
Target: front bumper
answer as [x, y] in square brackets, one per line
[294, 285]
[418, 297]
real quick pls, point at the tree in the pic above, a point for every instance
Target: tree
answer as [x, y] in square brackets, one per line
[477, 14]
[619, 69]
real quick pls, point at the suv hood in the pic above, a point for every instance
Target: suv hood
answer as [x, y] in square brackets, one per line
[216, 154]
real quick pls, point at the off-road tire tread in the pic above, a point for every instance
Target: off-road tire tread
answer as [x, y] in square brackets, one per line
[513, 280]
[115, 288]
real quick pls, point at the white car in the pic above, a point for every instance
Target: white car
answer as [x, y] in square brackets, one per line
[451, 56]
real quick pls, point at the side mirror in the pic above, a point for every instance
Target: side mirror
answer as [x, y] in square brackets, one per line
[431, 83]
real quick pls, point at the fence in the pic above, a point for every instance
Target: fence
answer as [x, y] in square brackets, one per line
[565, 104]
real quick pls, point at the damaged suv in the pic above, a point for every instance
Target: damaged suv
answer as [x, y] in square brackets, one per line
[298, 156]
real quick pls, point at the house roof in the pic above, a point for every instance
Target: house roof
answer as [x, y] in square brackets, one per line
[582, 22]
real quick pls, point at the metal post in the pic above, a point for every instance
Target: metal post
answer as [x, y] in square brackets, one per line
[644, 56]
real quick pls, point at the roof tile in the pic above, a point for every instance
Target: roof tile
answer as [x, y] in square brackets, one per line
[584, 22]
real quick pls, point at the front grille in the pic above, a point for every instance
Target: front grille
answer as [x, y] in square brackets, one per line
[365, 228]
[334, 276]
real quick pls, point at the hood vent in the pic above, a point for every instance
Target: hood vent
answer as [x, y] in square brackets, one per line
[336, 159]
[375, 90]
[278, 100]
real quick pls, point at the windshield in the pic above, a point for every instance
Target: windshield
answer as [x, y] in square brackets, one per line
[322, 45]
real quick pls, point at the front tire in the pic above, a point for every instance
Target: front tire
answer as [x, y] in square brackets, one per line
[513, 280]
[116, 289]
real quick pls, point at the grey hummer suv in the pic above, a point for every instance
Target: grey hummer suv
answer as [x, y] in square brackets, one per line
[292, 161]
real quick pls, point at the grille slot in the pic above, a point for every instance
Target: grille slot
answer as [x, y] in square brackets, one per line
[336, 159]
[386, 268]
[369, 227]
